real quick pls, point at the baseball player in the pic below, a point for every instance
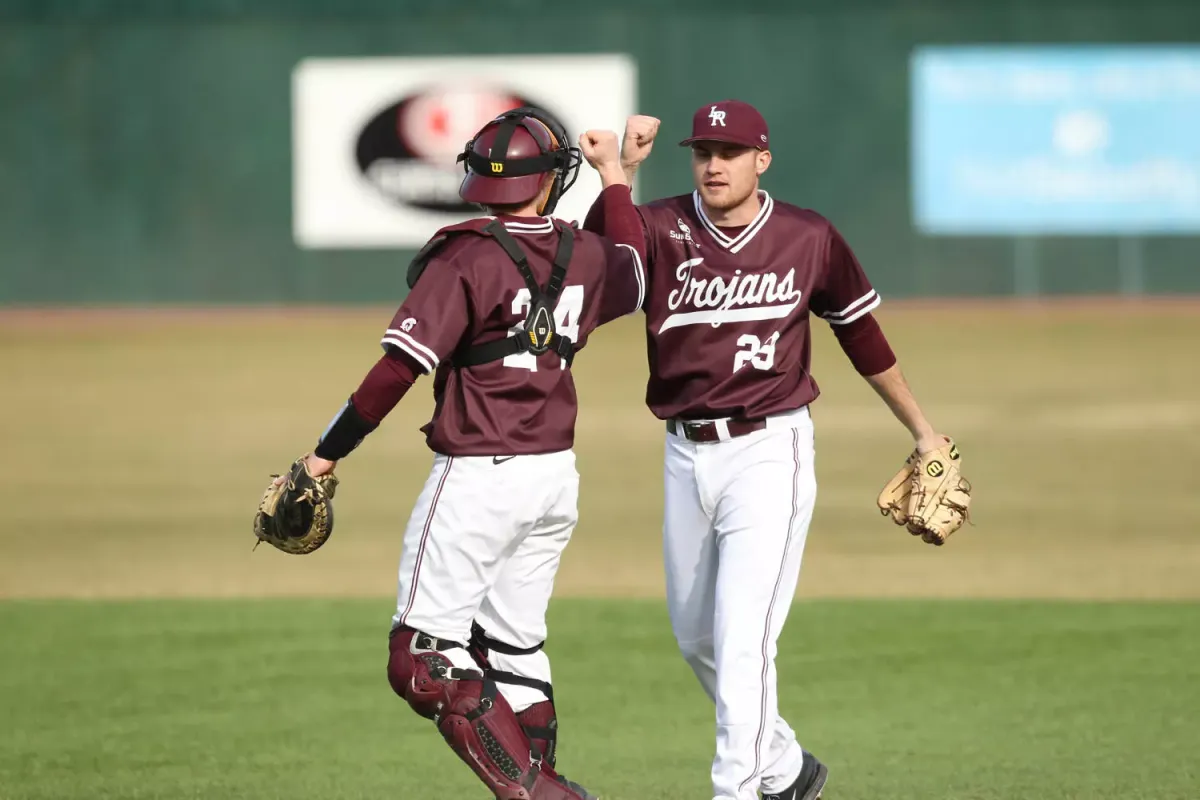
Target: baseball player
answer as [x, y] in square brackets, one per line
[498, 308]
[733, 277]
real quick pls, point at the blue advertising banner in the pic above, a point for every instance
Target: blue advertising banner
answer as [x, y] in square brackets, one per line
[1028, 140]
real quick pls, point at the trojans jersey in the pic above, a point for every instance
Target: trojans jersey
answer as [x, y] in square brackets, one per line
[727, 311]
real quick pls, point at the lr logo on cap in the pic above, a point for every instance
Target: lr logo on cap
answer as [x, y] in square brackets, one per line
[716, 117]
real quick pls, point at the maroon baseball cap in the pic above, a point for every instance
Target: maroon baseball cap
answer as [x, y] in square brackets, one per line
[729, 121]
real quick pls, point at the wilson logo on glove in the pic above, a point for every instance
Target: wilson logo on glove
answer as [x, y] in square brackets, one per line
[928, 495]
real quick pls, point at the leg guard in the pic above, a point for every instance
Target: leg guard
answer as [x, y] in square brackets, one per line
[540, 724]
[539, 720]
[472, 716]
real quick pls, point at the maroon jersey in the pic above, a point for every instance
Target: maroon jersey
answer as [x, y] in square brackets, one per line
[727, 311]
[471, 293]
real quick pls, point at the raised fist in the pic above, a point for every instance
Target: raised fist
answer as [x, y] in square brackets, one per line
[640, 131]
[600, 149]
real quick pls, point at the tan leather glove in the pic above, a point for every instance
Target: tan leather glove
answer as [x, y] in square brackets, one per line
[929, 495]
[295, 515]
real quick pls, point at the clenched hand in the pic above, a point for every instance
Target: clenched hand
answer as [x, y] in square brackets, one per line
[640, 132]
[600, 149]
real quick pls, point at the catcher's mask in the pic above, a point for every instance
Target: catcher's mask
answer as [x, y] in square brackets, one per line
[509, 157]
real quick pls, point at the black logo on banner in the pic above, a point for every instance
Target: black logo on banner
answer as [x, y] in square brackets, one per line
[407, 151]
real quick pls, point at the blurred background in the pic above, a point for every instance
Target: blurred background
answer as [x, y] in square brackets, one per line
[206, 212]
[148, 146]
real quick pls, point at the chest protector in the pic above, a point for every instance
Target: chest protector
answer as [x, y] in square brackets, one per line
[538, 332]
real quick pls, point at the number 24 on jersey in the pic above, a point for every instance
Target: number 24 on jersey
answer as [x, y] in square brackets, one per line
[566, 322]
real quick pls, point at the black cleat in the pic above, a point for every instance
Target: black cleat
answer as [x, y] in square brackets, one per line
[808, 786]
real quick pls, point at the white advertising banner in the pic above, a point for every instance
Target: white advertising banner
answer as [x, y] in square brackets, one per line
[375, 139]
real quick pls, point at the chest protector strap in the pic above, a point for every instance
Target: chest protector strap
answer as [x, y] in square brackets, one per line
[538, 334]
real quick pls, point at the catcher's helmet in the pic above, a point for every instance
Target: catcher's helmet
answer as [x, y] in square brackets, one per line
[509, 157]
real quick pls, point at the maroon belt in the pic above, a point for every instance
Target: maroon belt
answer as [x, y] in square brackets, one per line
[708, 431]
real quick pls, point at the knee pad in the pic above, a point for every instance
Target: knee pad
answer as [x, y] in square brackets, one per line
[472, 716]
[420, 667]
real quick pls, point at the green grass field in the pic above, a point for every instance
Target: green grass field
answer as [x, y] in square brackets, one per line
[1049, 651]
[904, 700]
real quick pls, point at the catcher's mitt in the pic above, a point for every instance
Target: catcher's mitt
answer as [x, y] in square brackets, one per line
[929, 495]
[296, 516]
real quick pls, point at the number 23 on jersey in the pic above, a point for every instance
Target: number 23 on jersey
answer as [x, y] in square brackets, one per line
[756, 352]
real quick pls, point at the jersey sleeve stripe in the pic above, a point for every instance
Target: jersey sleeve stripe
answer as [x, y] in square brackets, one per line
[429, 354]
[869, 307]
[420, 359]
[426, 357]
[639, 273]
[866, 298]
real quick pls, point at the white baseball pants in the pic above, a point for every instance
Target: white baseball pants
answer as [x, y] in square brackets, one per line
[736, 518]
[483, 544]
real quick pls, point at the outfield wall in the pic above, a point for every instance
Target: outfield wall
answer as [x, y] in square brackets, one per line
[146, 150]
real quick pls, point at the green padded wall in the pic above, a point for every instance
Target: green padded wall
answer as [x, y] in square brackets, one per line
[145, 146]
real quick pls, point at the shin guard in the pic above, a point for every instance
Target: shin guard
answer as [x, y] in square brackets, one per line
[541, 727]
[472, 716]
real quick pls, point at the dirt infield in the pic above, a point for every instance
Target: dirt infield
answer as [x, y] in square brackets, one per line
[139, 441]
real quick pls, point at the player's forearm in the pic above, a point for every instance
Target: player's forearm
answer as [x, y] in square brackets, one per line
[614, 176]
[386, 382]
[893, 388]
[620, 220]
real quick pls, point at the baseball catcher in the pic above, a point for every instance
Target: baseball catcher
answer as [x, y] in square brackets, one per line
[498, 309]
[929, 495]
